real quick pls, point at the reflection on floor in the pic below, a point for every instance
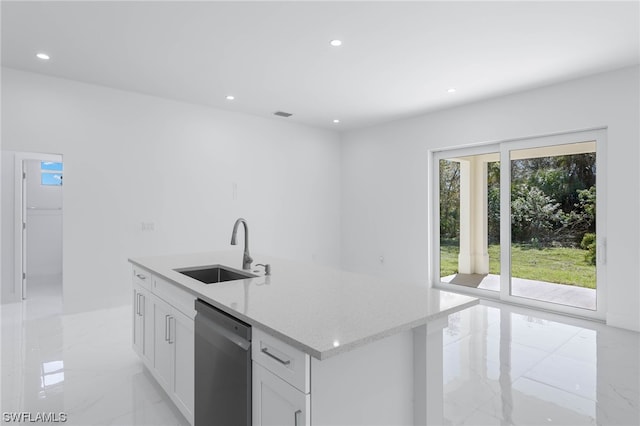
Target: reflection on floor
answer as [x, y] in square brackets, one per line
[502, 366]
[562, 294]
[505, 365]
[81, 365]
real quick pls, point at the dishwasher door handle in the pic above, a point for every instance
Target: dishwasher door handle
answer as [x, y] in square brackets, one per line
[208, 324]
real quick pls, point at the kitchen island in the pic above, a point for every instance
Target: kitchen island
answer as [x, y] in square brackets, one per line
[367, 342]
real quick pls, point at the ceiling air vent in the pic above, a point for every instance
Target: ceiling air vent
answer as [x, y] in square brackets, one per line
[282, 114]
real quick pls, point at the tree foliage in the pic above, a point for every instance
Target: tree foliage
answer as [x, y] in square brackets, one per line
[449, 199]
[534, 215]
[553, 199]
[589, 243]
[561, 194]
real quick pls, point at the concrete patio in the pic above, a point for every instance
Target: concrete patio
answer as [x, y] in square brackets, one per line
[540, 290]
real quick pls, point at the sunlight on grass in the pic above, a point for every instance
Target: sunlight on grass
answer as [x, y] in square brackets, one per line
[560, 265]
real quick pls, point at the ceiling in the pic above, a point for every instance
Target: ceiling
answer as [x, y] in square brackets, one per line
[398, 59]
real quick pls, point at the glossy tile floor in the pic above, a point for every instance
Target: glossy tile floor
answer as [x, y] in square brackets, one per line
[505, 365]
[81, 365]
[502, 366]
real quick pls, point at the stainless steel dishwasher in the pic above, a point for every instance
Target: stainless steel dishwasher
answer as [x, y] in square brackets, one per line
[222, 368]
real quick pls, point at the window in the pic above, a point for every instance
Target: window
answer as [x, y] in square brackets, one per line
[520, 221]
[50, 173]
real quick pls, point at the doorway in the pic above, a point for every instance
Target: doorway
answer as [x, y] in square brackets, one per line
[518, 221]
[38, 204]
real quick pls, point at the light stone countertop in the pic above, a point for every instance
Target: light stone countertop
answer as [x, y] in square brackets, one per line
[319, 310]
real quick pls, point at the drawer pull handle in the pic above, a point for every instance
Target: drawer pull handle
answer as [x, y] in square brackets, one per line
[295, 417]
[172, 334]
[142, 277]
[281, 361]
[167, 335]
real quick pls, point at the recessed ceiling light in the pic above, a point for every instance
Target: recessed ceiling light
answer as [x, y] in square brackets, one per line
[336, 43]
[230, 97]
[452, 90]
[43, 56]
[336, 121]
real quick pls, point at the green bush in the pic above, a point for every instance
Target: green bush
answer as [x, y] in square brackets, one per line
[589, 243]
[534, 215]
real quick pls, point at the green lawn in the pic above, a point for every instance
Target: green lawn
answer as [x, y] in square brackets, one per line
[560, 265]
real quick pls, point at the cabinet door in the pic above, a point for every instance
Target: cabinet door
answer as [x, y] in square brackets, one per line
[148, 334]
[138, 321]
[163, 347]
[277, 403]
[143, 333]
[181, 333]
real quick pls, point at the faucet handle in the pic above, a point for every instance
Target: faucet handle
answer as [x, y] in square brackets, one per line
[267, 268]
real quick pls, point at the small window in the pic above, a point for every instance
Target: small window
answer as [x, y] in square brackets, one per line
[50, 173]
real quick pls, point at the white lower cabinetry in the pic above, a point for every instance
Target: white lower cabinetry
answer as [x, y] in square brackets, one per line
[280, 383]
[174, 367]
[163, 349]
[143, 339]
[277, 403]
[183, 377]
[370, 385]
[163, 336]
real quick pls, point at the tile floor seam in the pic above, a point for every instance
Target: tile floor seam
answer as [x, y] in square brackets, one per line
[558, 388]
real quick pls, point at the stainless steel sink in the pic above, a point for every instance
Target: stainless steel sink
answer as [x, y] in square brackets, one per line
[214, 274]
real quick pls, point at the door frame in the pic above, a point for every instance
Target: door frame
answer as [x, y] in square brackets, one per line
[20, 216]
[504, 147]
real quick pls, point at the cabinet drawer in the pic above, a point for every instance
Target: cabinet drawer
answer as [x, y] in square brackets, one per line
[141, 277]
[290, 364]
[179, 298]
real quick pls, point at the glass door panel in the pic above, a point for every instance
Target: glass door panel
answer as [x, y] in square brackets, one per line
[553, 224]
[469, 218]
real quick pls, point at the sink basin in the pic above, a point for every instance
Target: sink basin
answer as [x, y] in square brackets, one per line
[214, 274]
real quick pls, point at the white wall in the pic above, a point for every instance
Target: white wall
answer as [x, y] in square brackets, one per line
[132, 158]
[385, 169]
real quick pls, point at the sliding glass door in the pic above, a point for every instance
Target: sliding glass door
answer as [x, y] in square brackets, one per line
[522, 221]
[469, 215]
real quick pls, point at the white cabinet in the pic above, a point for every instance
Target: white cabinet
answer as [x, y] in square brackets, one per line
[290, 364]
[163, 336]
[277, 403]
[138, 323]
[280, 383]
[143, 335]
[369, 385]
[183, 367]
[174, 355]
[174, 367]
[163, 347]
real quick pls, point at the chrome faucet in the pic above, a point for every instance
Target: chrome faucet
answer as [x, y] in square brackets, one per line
[246, 258]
